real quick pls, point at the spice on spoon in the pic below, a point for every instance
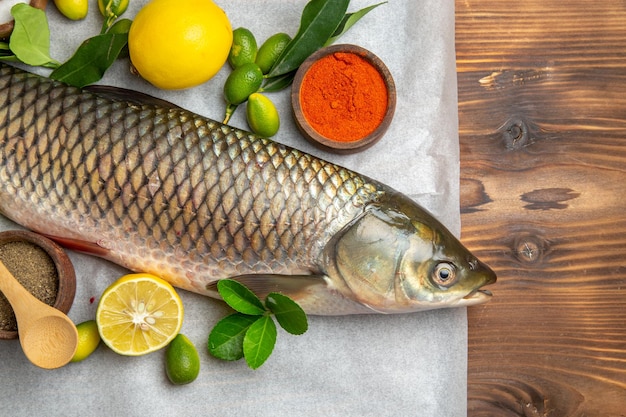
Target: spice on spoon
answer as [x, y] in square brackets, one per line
[34, 269]
[343, 97]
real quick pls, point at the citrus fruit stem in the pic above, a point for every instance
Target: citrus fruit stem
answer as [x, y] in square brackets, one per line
[230, 109]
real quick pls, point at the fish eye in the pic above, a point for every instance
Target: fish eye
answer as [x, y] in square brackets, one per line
[444, 274]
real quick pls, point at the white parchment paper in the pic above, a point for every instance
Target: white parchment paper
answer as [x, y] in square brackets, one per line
[401, 365]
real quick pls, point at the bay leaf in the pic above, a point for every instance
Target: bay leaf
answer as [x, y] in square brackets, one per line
[91, 60]
[348, 21]
[320, 19]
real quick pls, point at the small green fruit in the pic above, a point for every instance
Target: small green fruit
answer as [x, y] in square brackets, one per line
[262, 115]
[88, 340]
[242, 82]
[271, 50]
[244, 48]
[182, 362]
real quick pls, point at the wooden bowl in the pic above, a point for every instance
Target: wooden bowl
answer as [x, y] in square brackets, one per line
[7, 27]
[329, 144]
[64, 269]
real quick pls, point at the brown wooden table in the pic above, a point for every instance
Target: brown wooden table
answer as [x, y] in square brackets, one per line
[542, 108]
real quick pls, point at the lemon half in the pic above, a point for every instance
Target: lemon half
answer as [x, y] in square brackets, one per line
[139, 314]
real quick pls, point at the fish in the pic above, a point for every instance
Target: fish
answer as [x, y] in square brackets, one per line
[158, 189]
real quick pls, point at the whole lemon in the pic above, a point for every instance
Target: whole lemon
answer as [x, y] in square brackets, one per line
[176, 44]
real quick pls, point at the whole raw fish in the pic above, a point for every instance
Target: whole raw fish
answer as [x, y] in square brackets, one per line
[159, 189]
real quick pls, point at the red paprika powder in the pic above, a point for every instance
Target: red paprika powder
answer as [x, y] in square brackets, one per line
[343, 97]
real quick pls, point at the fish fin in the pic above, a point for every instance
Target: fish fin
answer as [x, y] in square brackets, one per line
[311, 292]
[263, 284]
[130, 96]
[78, 245]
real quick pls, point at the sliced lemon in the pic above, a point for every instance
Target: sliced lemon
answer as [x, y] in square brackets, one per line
[139, 314]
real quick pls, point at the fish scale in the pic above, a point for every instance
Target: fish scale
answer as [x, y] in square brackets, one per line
[131, 175]
[156, 188]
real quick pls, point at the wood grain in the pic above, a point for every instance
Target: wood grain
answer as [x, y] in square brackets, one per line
[542, 118]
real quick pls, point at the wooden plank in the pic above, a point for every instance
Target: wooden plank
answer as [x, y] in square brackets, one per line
[542, 115]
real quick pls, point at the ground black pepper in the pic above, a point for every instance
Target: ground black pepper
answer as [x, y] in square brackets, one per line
[34, 269]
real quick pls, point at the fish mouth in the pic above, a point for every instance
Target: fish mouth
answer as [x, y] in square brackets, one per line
[478, 296]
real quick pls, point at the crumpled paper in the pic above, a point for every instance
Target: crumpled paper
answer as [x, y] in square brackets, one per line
[375, 365]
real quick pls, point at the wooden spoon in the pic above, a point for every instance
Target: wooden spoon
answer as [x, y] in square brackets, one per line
[48, 337]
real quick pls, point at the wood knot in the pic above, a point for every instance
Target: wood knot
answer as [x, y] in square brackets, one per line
[549, 198]
[473, 195]
[529, 248]
[516, 134]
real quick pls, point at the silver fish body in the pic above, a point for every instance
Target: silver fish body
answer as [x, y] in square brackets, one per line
[159, 189]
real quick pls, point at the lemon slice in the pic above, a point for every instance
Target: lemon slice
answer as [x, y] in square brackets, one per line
[139, 314]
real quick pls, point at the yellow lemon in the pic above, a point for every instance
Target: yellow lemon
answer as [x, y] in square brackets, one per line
[73, 9]
[139, 314]
[176, 44]
[182, 362]
[88, 340]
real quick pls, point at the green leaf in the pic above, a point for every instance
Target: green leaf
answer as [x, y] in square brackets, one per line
[289, 314]
[240, 298]
[90, 61]
[226, 338]
[319, 21]
[348, 21]
[278, 83]
[30, 40]
[259, 341]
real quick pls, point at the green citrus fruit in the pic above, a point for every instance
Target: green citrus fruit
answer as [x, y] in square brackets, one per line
[182, 362]
[88, 340]
[262, 115]
[242, 82]
[244, 48]
[116, 7]
[73, 9]
[271, 50]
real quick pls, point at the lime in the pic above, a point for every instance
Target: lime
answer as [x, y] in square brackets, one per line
[177, 44]
[244, 48]
[139, 314]
[262, 115]
[115, 7]
[88, 340]
[242, 82]
[271, 50]
[182, 362]
[73, 9]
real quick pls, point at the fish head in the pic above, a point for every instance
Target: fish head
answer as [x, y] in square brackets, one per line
[399, 258]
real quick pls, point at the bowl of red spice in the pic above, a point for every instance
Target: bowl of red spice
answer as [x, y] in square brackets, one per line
[42, 267]
[343, 98]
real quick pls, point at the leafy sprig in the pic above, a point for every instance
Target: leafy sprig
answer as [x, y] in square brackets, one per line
[30, 44]
[322, 23]
[250, 332]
